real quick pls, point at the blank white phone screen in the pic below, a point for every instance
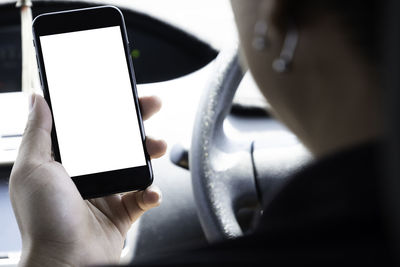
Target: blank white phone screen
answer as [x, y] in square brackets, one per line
[92, 101]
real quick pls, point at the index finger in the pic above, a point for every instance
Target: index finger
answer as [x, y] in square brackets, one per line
[149, 105]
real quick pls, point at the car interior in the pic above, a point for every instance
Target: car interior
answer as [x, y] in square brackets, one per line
[187, 54]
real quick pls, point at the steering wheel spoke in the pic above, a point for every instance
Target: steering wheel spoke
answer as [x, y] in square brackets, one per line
[222, 170]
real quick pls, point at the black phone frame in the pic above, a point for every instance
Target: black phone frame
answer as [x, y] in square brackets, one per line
[110, 182]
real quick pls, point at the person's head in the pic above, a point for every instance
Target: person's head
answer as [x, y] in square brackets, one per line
[330, 95]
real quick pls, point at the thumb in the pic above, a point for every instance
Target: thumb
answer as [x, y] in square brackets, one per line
[36, 142]
[137, 203]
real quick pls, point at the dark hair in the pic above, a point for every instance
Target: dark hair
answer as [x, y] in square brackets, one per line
[362, 18]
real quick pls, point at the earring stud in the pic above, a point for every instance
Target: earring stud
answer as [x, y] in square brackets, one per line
[282, 64]
[260, 40]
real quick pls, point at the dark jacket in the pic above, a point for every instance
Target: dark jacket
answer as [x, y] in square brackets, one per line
[330, 213]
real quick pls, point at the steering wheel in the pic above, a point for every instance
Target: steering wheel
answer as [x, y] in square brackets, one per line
[226, 173]
[221, 170]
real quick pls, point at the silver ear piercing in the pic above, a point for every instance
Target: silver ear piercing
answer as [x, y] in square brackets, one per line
[283, 63]
[260, 39]
[261, 42]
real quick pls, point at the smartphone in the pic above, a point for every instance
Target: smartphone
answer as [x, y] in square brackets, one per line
[88, 80]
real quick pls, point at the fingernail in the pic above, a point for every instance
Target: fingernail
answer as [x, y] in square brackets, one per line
[32, 99]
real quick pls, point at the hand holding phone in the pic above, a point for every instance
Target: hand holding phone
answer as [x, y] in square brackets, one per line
[57, 226]
[88, 81]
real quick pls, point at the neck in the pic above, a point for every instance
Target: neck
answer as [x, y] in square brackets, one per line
[353, 123]
[343, 109]
[341, 105]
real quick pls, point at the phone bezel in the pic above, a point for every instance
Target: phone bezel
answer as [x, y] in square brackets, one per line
[110, 182]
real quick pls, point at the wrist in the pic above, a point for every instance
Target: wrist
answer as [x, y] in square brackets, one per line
[44, 256]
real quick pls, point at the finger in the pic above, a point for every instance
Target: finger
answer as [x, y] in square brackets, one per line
[155, 148]
[36, 141]
[149, 105]
[137, 203]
